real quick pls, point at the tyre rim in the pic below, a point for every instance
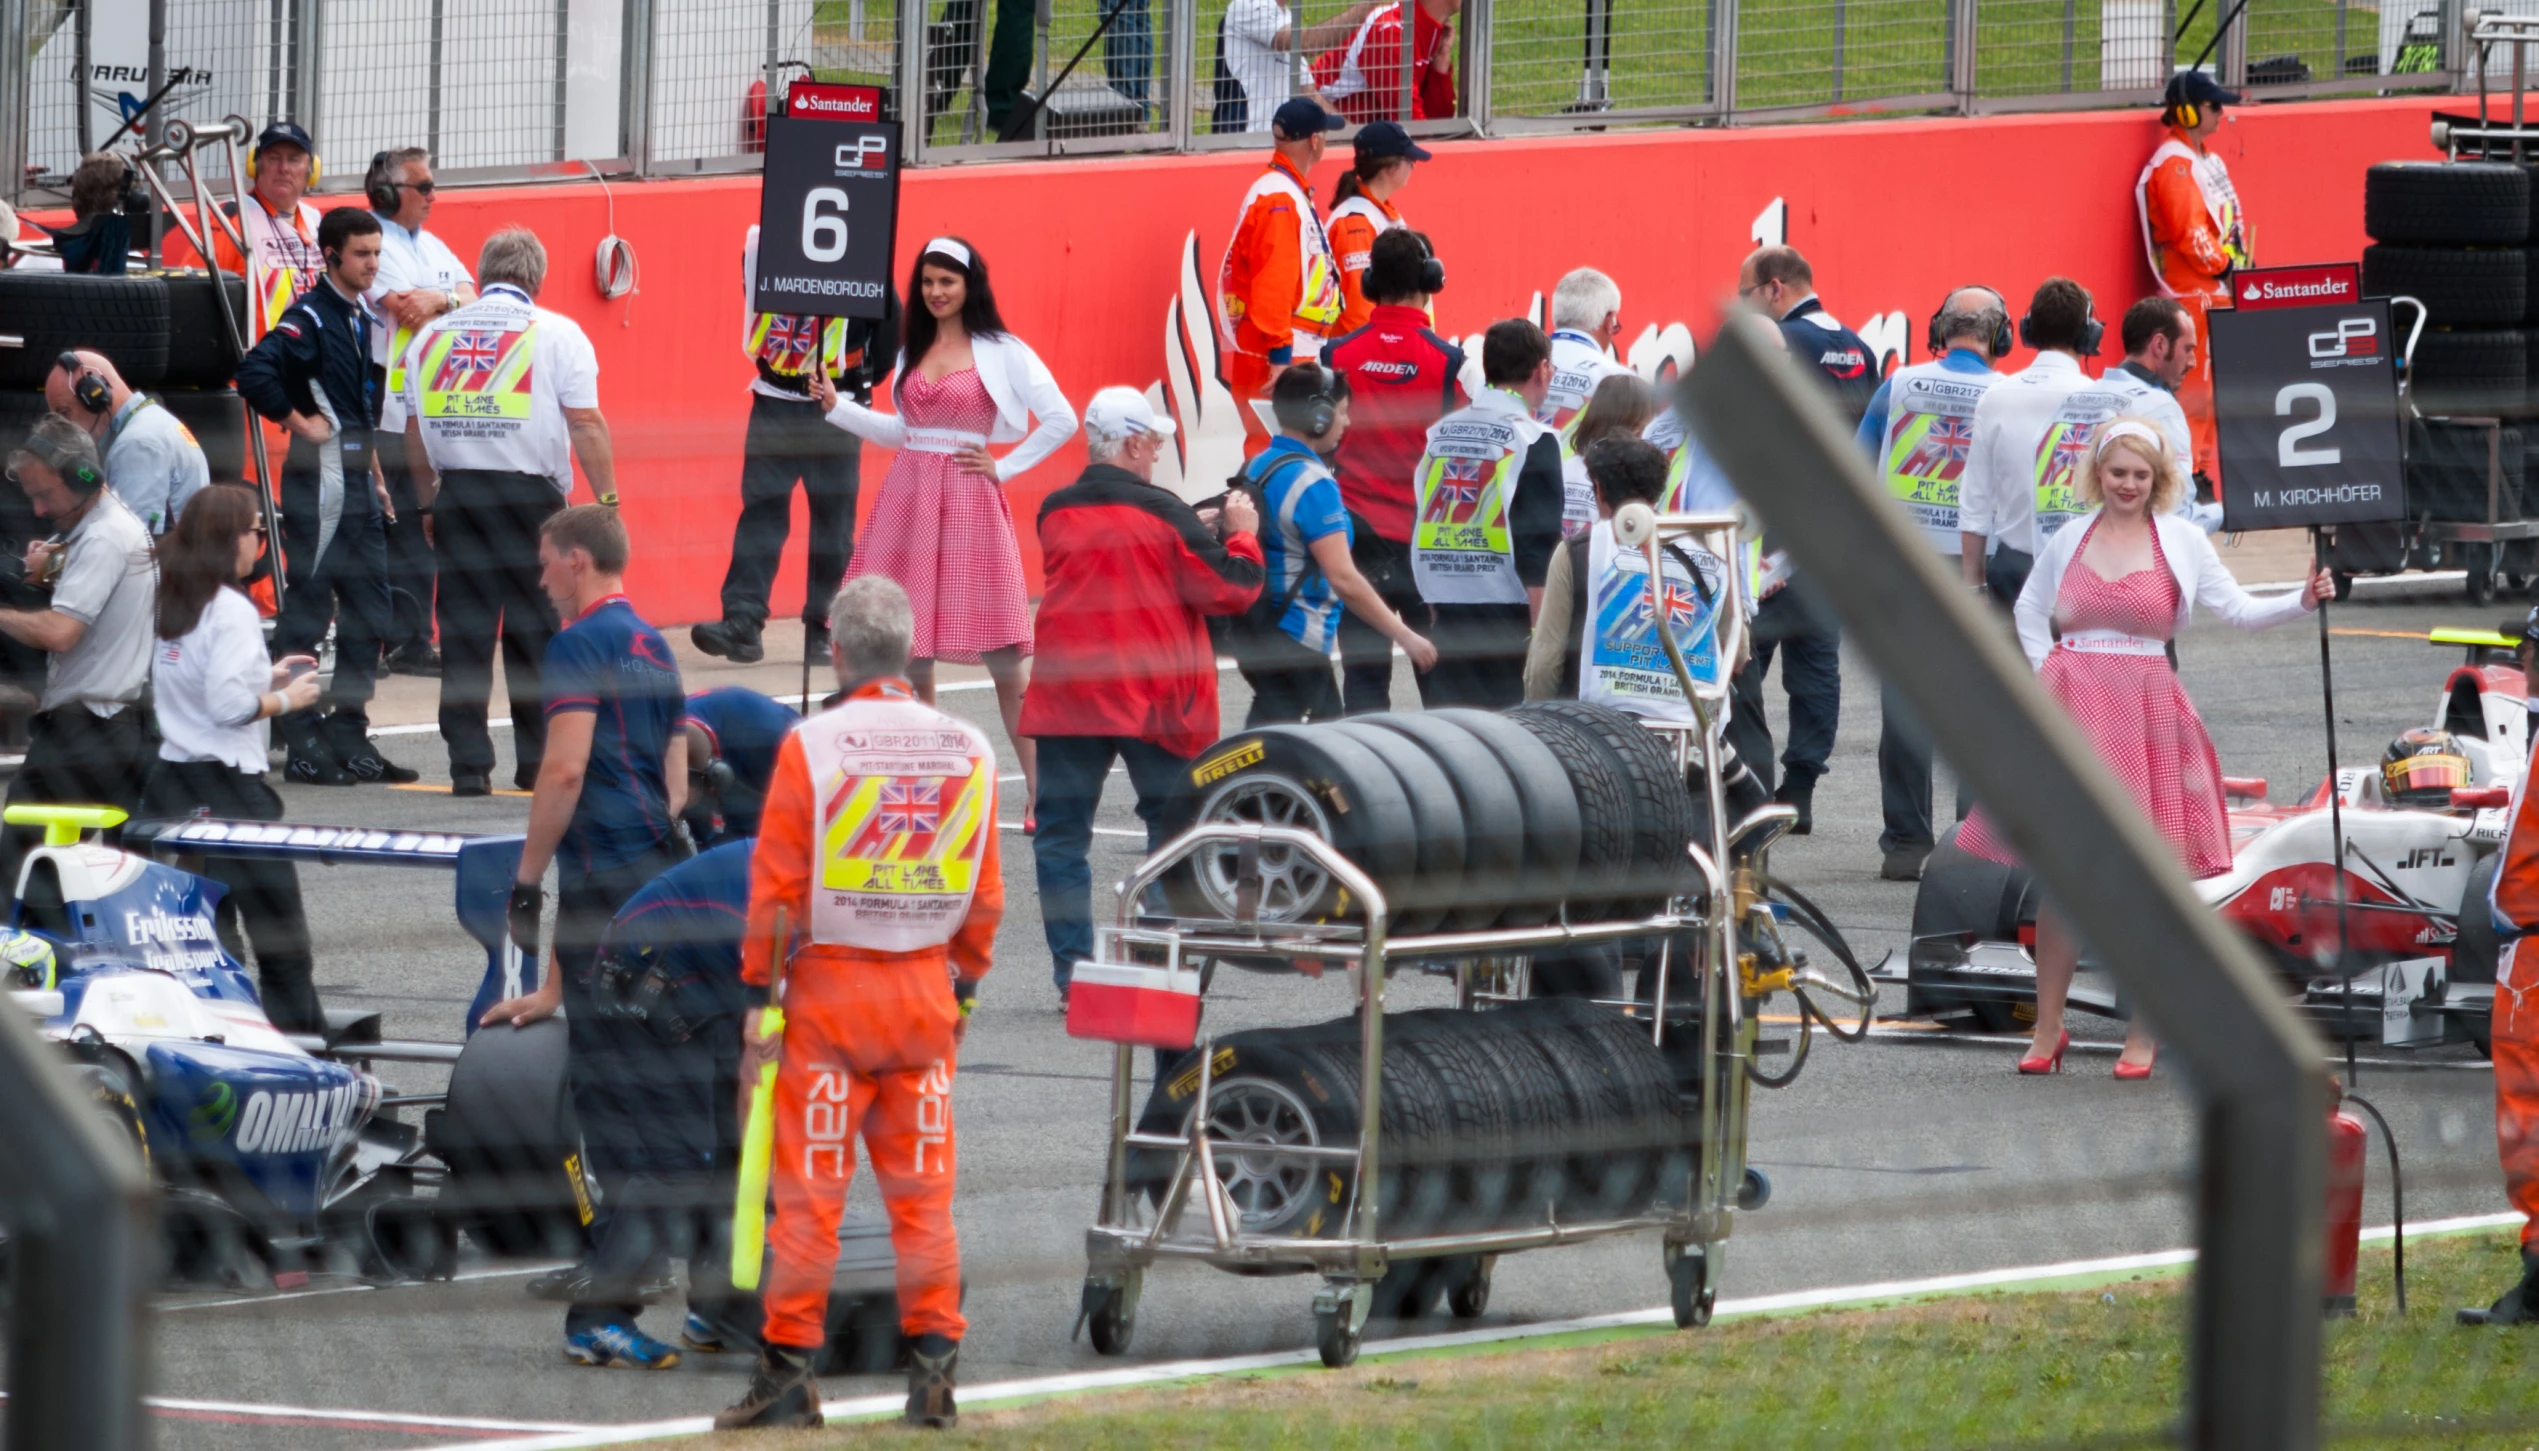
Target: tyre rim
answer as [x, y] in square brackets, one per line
[1291, 883]
[1267, 1188]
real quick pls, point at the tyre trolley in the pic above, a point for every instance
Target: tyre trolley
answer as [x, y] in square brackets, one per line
[1725, 943]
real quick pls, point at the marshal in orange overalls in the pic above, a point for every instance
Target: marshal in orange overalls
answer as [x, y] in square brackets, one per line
[1278, 291]
[879, 837]
[2194, 233]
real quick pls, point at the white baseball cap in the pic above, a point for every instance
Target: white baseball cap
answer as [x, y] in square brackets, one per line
[1119, 413]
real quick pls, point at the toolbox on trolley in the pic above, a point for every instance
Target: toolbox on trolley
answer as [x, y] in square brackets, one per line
[1116, 999]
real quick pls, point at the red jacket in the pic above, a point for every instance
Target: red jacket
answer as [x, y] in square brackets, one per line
[1401, 379]
[1121, 646]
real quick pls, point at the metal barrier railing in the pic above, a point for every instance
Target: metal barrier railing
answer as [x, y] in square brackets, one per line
[507, 89]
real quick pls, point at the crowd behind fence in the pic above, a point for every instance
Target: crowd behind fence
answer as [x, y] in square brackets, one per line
[502, 88]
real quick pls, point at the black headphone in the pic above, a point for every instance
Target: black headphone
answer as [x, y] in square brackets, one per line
[81, 474]
[89, 389]
[1432, 273]
[1324, 405]
[1998, 342]
[382, 191]
[2092, 332]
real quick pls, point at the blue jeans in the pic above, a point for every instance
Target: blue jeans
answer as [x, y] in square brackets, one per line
[1128, 47]
[1072, 772]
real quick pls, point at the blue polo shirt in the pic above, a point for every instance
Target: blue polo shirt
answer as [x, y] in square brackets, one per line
[612, 664]
[692, 916]
[746, 728]
[1300, 503]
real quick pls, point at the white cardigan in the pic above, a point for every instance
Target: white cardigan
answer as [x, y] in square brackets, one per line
[1019, 382]
[2191, 559]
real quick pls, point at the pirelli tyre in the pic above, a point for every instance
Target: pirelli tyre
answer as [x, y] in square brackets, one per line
[1437, 887]
[1552, 826]
[1493, 813]
[199, 351]
[2447, 203]
[2460, 371]
[1477, 1153]
[1603, 796]
[517, 1181]
[126, 318]
[2459, 286]
[1630, 1120]
[1661, 810]
[1317, 781]
[1542, 1117]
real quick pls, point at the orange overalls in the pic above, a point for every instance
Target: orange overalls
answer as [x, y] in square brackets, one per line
[283, 262]
[2515, 1029]
[893, 805]
[1355, 224]
[2193, 233]
[1277, 289]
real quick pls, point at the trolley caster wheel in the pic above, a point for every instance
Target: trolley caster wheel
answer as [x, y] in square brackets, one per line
[1688, 1277]
[1755, 1192]
[1111, 1314]
[2478, 584]
[1468, 1286]
[1333, 1339]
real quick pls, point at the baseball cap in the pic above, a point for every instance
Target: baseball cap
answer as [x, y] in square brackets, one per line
[1378, 139]
[1302, 117]
[287, 133]
[1119, 412]
[2198, 88]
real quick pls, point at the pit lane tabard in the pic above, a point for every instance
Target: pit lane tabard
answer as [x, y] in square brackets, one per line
[900, 825]
[2306, 415]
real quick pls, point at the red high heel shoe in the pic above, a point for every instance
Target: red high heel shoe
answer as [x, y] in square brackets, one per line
[2132, 1072]
[2053, 1064]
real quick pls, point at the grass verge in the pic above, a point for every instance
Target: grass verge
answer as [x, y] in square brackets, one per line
[2097, 1367]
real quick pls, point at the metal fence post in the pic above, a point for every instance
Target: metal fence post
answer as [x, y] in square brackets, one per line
[1183, 95]
[308, 40]
[2230, 64]
[634, 86]
[910, 18]
[1723, 57]
[1478, 21]
[82, 1232]
[2253, 1382]
[1960, 54]
[15, 98]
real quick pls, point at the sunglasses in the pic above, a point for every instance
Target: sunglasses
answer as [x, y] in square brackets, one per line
[424, 187]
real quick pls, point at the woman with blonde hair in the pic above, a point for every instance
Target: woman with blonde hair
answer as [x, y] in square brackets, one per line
[2108, 593]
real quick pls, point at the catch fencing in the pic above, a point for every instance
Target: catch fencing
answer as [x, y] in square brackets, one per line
[504, 89]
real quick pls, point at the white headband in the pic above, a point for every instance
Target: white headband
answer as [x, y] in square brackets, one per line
[945, 246]
[2127, 428]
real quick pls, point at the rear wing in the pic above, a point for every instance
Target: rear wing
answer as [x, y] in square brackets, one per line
[2485, 647]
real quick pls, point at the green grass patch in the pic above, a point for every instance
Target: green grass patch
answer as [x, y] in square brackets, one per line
[2097, 1367]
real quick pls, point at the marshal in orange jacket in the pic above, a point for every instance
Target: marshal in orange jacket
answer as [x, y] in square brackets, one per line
[1278, 292]
[2193, 234]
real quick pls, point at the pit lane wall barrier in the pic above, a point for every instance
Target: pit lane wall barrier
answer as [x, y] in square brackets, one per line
[1106, 266]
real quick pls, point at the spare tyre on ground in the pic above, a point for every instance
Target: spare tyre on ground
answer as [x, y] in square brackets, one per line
[125, 318]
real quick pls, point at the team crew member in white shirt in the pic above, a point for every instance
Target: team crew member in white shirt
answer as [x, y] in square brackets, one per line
[1586, 328]
[88, 742]
[2031, 436]
[214, 687]
[152, 460]
[419, 279]
[502, 396]
[1256, 51]
[2159, 342]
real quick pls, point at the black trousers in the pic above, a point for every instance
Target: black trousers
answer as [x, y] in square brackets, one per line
[487, 524]
[1904, 777]
[790, 443]
[346, 586]
[411, 569]
[76, 758]
[1289, 684]
[1366, 657]
[1811, 672]
[265, 895]
[1480, 657]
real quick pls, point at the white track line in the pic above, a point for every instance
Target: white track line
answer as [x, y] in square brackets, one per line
[1166, 1371]
[503, 723]
[385, 1418]
[249, 1301]
[2088, 1045]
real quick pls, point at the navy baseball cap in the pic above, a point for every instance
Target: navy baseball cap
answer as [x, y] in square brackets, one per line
[1378, 139]
[287, 133]
[2198, 88]
[1302, 117]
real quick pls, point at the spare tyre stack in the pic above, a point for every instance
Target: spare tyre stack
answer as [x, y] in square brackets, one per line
[2456, 235]
[162, 331]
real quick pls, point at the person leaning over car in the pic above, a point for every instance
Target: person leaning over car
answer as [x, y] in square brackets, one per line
[152, 460]
[1126, 671]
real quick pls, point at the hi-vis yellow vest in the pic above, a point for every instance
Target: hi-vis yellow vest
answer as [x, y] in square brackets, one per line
[1930, 433]
[480, 369]
[781, 346]
[1461, 549]
[2062, 451]
[906, 798]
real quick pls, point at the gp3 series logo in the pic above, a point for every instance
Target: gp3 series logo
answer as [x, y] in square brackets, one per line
[864, 153]
[2354, 337]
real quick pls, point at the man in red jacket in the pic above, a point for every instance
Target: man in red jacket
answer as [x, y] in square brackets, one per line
[1122, 668]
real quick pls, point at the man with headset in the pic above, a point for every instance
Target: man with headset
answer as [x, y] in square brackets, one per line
[2030, 433]
[419, 279]
[284, 256]
[1917, 432]
[317, 373]
[88, 743]
[2193, 232]
[152, 459]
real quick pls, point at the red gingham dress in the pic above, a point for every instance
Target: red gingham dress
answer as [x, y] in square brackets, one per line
[2135, 714]
[946, 535]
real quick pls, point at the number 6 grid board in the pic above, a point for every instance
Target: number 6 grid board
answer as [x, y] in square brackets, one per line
[827, 213]
[2306, 412]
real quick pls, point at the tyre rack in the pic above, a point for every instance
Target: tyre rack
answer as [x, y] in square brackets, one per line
[1122, 1244]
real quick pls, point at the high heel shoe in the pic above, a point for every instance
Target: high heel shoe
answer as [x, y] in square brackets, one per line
[2052, 1064]
[2132, 1072]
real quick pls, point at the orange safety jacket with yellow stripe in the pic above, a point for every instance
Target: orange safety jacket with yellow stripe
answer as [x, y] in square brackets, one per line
[1278, 279]
[1355, 224]
[2193, 232]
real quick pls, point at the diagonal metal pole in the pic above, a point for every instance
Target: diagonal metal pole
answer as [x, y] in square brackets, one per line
[2253, 1381]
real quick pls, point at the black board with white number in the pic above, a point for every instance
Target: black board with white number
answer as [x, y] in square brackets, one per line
[2306, 414]
[827, 213]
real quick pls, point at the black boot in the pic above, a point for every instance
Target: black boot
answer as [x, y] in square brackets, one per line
[310, 759]
[2519, 1305]
[359, 754]
[781, 1393]
[733, 638]
[931, 1359]
[1799, 791]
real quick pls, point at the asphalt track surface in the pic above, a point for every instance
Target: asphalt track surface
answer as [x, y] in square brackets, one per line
[1914, 1154]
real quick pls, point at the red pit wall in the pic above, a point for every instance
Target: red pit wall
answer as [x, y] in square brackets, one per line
[1085, 257]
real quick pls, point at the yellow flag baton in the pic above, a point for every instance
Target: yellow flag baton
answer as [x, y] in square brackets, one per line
[758, 1141]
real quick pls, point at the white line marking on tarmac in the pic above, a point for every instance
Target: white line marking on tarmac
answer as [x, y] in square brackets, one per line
[1929, 1035]
[263, 1411]
[242, 1302]
[1177, 1370]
